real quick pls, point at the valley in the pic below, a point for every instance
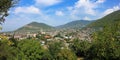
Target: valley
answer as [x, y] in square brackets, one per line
[76, 40]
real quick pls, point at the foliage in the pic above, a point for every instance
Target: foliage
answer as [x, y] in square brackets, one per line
[66, 54]
[31, 49]
[59, 52]
[74, 24]
[41, 37]
[8, 52]
[3, 37]
[108, 19]
[80, 47]
[5, 5]
[46, 55]
[54, 48]
[34, 27]
[106, 43]
[58, 35]
[104, 46]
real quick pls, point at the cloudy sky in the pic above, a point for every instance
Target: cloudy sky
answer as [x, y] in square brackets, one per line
[57, 12]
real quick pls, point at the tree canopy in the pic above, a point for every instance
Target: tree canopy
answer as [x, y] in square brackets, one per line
[5, 5]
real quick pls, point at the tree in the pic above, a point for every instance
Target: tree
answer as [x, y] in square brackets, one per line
[5, 5]
[80, 47]
[59, 52]
[106, 43]
[31, 49]
[46, 55]
[8, 52]
[54, 48]
[66, 54]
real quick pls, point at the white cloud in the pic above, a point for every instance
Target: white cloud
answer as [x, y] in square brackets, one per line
[100, 1]
[30, 9]
[69, 8]
[83, 3]
[59, 13]
[108, 11]
[86, 18]
[87, 5]
[47, 2]
[83, 8]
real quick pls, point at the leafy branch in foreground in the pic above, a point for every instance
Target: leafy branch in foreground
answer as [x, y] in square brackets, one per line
[5, 5]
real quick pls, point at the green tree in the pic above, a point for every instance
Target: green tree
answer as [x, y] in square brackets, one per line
[54, 48]
[66, 54]
[80, 47]
[8, 52]
[46, 55]
[59, 52]
[106, 43]
[5, 5]
[31, 49]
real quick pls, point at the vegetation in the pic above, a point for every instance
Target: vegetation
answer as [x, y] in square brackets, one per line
[104, 46]
[108, 19]
[74, 24]
[80, 48]
[66, 54]
[5, 5]
[32, 50]
[105, 43]
[34, 27]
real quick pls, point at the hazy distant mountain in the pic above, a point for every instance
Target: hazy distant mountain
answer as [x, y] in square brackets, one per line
[34, 26]
[78, 24]
[74, 24]
[108, 19]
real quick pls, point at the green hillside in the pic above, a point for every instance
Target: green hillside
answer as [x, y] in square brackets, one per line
[33, 27]
[106, 20]
[75, 24]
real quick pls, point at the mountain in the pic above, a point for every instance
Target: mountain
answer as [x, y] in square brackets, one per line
[74, 24]
[34, 27]
[108, 19]
[78, 24]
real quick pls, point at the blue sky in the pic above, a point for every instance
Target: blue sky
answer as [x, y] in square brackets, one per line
[57, 12]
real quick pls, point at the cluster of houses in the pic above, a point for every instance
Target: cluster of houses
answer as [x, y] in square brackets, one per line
[46, 37]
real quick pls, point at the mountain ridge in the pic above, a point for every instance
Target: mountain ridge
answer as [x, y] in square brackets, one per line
[34, 26]
[37, 26]
[74, 24]
[77, 24]
[108, 19]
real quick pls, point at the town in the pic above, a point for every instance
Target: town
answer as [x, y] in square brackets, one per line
[51, 36]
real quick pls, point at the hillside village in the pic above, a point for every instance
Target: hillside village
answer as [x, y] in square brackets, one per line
[45, 37]
[83, 39]
[45, 33]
